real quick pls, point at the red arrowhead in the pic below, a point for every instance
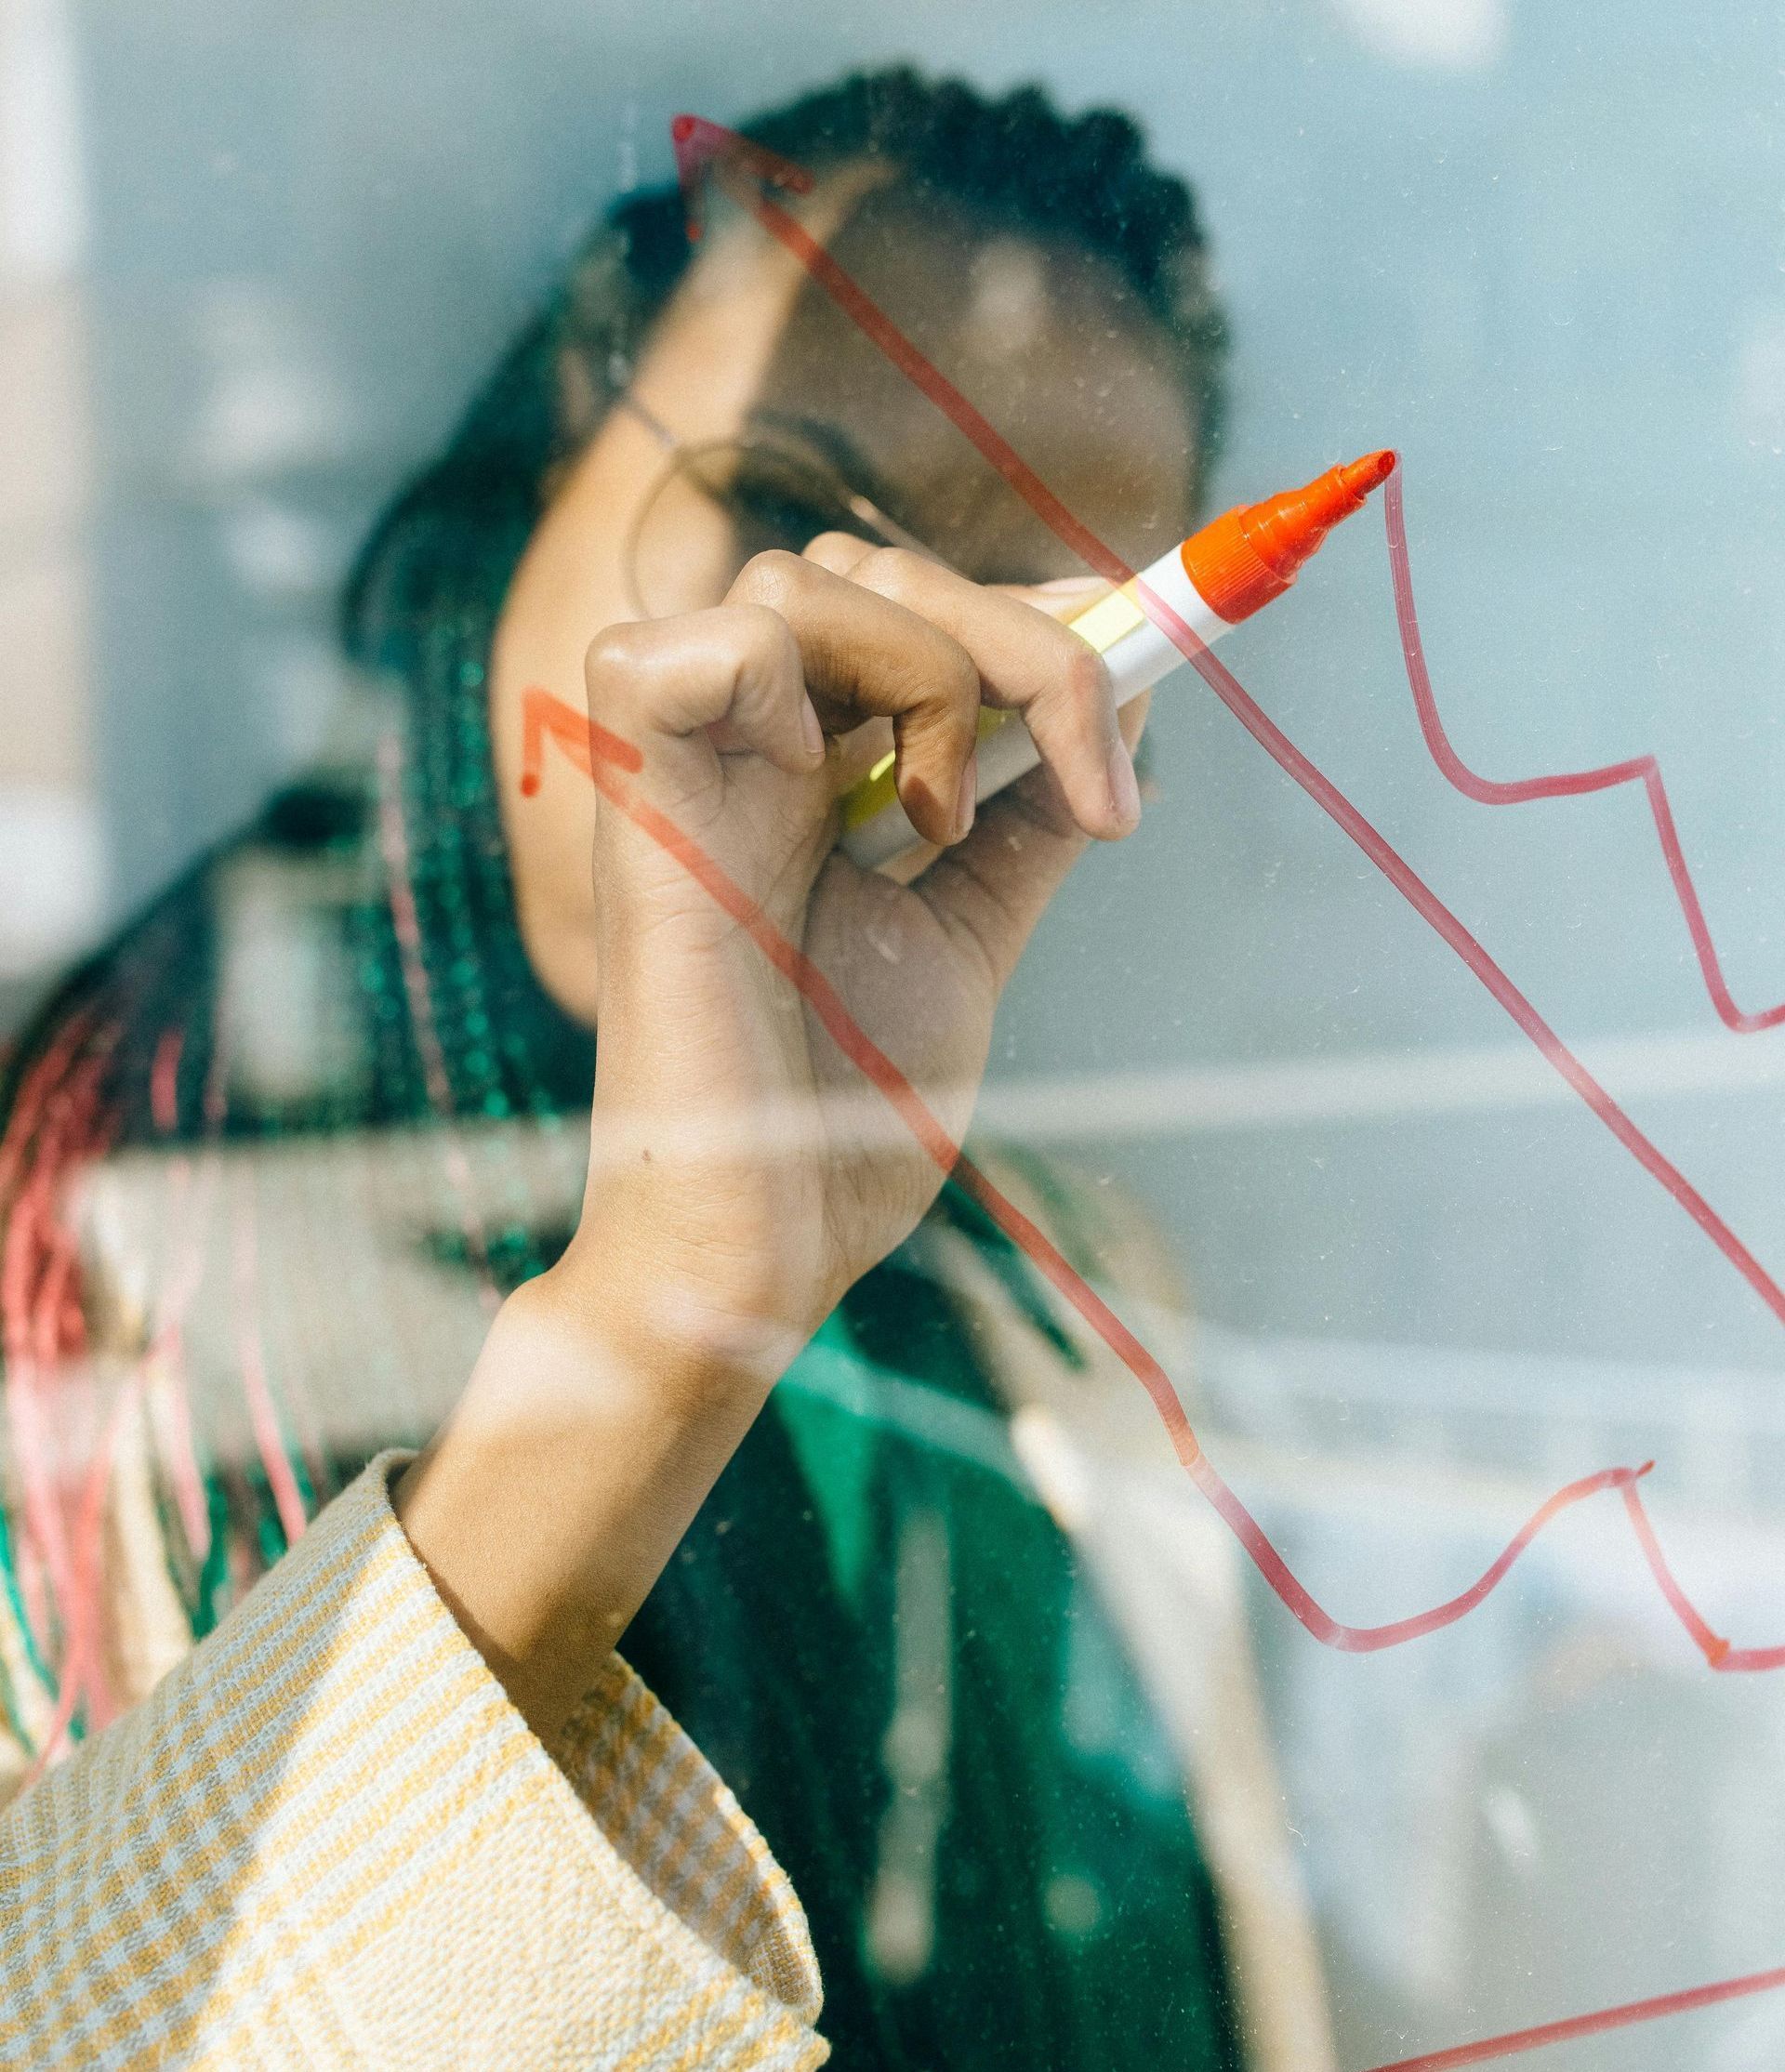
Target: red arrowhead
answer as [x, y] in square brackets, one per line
[700, 145]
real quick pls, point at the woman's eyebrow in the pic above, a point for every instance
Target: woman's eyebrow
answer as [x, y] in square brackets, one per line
[828, 440]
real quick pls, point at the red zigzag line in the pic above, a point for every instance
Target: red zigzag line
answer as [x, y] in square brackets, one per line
[1574, 784]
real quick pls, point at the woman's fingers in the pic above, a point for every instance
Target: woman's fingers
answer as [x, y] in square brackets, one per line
[681, 688]
[846, 633]
[1028, 662]
[863, 655]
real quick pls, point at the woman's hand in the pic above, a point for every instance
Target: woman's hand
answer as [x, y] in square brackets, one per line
[744, 1172]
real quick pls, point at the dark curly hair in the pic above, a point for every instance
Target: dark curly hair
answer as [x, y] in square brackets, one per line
[1019, 165]
[1014, 164]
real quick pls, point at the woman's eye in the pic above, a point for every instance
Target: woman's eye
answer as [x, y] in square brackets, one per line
[793, 521]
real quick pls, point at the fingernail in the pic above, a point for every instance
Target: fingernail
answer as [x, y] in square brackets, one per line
[809, 727]
[1124, 791]
[964, 804]
[1073, 586]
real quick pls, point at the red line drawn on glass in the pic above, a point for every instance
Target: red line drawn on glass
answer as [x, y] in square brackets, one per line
[703, 147]
[1597, 2024]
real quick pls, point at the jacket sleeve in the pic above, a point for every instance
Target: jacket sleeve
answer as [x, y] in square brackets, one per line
[327, 1838]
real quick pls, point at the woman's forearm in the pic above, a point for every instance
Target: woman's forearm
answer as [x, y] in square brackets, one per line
[550, 1503]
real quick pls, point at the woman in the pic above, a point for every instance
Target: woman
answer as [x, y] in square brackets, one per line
[877, 1642]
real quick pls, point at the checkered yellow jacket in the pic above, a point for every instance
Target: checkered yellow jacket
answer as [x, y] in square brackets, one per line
[327, 1840]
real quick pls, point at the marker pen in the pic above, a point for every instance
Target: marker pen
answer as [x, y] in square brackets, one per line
[1232, 568]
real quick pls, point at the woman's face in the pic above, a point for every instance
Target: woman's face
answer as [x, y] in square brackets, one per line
[1045, 340]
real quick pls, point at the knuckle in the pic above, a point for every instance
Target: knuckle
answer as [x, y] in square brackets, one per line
[957, 688]
[616, 652]
[774, 578]
[836, 550]
[759, 638]
[895, 572]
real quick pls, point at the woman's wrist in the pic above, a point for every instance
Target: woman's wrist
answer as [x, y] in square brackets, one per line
[614, 1320]
[699, 1282]
[588, 1436]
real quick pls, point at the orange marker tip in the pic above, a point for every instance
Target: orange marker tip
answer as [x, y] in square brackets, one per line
[530, 784]
[1361, 476]
[681, 128]
[1250, 554]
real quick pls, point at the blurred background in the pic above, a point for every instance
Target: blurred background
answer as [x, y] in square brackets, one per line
[251, 265]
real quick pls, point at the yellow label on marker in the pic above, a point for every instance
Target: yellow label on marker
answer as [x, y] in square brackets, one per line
[1109, 619]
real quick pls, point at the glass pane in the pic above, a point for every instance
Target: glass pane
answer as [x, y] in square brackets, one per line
[1105, 1618]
